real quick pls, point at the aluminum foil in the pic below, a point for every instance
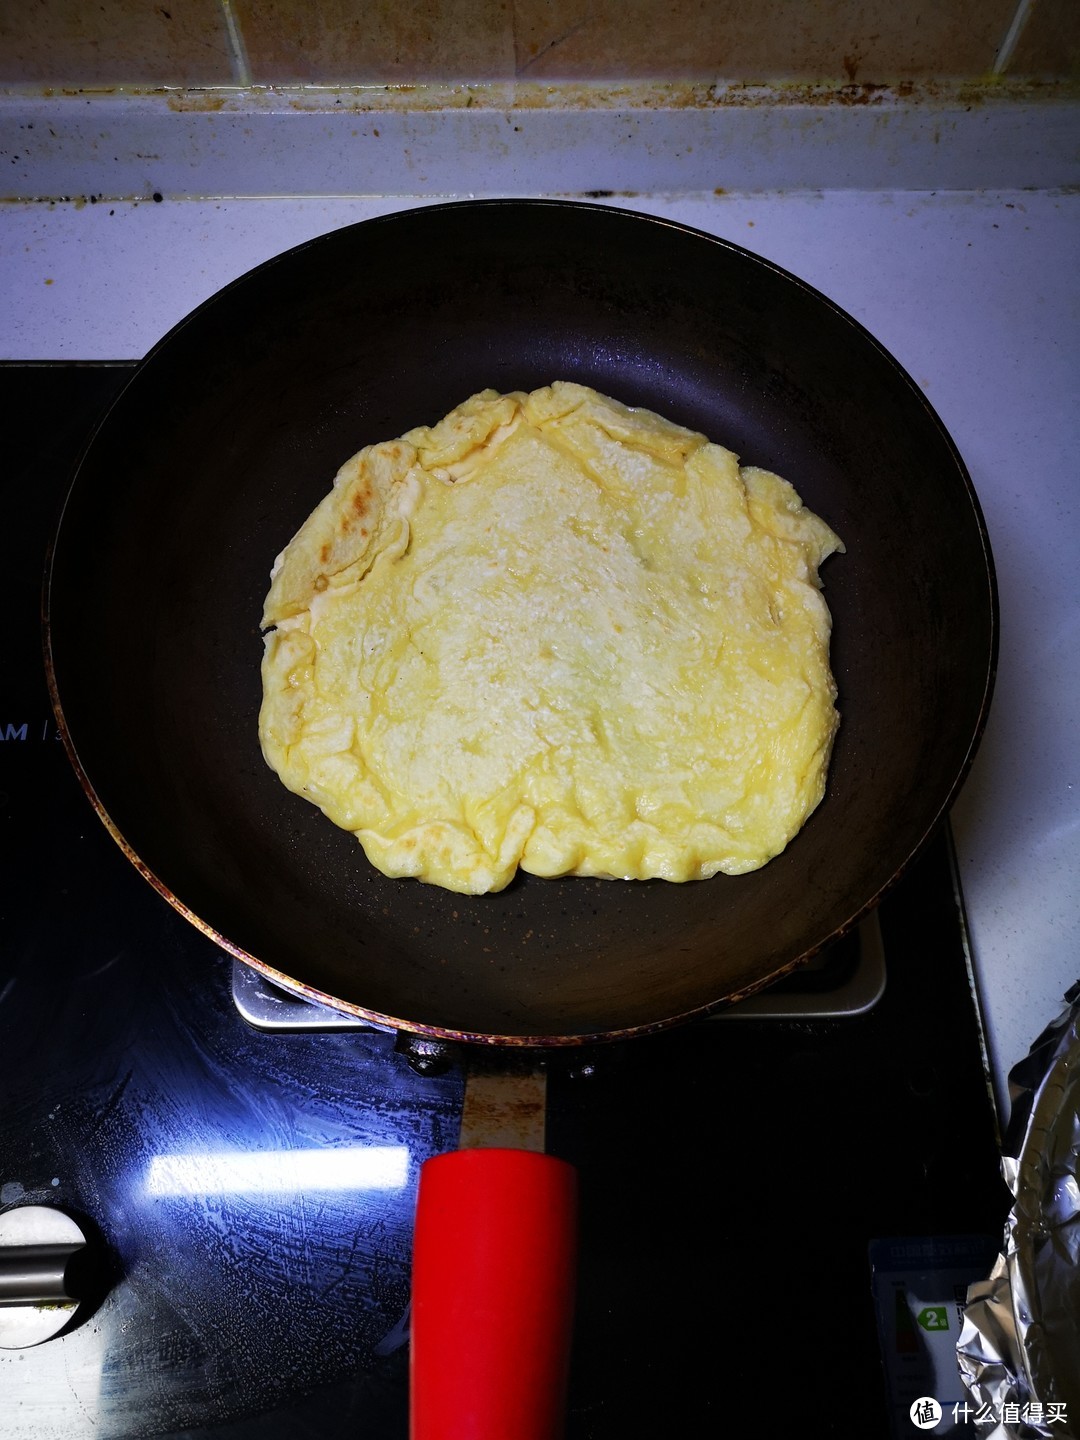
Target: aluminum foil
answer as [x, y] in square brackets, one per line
[1019, 1348]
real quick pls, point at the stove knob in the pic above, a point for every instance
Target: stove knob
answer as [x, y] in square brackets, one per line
[44, 1274]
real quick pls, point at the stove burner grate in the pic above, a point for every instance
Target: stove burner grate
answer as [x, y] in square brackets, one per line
[846, 979]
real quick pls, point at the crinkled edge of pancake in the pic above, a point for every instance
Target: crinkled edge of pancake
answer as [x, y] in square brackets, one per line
[365, 520]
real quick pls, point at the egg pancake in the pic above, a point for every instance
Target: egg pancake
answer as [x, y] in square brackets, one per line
[556, 633]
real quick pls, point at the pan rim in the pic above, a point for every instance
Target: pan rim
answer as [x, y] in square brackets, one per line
[416, 214]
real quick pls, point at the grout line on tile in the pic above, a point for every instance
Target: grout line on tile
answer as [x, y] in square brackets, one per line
[1021, 16]
[241, 65]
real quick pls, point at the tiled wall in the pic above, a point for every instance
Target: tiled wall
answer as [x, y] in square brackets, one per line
[200, 43]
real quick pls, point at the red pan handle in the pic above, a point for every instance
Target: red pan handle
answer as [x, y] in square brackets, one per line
[493, 1276]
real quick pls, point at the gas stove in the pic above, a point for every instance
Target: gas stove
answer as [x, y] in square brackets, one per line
[766, 1194]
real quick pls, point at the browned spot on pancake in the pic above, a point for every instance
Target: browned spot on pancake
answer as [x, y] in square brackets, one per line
[359, 508]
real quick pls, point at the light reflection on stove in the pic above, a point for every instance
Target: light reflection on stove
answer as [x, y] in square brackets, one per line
[253, 1172]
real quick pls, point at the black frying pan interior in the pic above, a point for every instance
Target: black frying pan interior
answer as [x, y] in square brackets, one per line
[231, 431]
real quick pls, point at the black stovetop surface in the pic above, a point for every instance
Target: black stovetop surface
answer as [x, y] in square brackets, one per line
[732, 1175]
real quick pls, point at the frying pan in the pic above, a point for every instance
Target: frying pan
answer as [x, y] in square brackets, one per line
[231, 430]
